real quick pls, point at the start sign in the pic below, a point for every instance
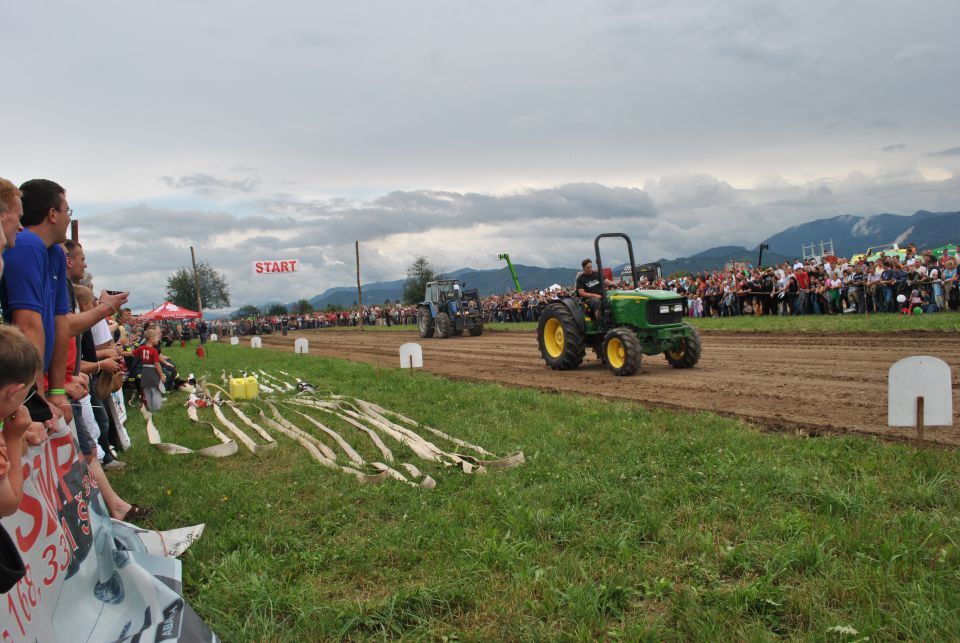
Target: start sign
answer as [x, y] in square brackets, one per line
[270, 267]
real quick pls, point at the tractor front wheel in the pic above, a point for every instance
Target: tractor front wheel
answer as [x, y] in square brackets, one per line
[442, 326]
[622, 351]
[686, 352]
[424, 322]
[561, 339]
[476, 331]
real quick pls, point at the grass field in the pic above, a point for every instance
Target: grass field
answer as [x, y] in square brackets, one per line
[623, 524]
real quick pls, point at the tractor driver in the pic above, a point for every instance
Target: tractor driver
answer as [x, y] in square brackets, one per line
[590, 287]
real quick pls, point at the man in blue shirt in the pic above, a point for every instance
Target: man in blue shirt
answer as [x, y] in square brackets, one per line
[33, 290]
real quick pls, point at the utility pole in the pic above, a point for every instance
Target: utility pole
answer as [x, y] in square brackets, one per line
[196, 281]
[359, 292]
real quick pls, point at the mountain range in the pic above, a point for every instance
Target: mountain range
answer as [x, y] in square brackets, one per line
[850, 235]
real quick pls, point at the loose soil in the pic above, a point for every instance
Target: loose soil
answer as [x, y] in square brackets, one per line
[814, 383]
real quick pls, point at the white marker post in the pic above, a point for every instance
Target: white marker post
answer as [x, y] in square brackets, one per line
[255, 342]
[234, 341]
[214, 337]
[919, 393]
[411, 356]
[301, 346]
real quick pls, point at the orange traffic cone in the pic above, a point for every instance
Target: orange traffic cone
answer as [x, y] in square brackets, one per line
[201, 351]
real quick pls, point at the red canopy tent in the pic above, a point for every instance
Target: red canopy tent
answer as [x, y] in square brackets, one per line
[167, 310]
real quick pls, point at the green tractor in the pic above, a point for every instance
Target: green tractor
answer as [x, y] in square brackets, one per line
[631, 323]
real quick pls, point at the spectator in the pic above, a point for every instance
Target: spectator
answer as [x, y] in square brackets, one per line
[152, 373]
[33, 290]
[19, 365]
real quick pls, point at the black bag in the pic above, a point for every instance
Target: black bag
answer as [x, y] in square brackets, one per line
[11, 564]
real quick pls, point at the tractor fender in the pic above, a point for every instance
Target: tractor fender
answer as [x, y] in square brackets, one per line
[576, 310]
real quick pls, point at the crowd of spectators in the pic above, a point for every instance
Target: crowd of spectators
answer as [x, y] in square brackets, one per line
[62, 348]
[919, 282]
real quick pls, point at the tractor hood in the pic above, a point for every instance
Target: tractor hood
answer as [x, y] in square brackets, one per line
[654, 295]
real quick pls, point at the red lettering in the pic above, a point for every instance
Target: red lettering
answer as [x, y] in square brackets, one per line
[24, 601]
[33, 508]
[283, 266]
[293, 266]
[47, 485]
[258, 267]
[63, 467]
[51, 551]
[69, 534]
[33, 592]
[12, 608]
[275, 267]
[64, 541]
[84, 515]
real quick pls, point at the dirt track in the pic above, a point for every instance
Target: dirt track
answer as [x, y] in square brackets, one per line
[816, 382]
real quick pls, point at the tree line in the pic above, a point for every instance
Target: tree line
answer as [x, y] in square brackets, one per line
[215, 292]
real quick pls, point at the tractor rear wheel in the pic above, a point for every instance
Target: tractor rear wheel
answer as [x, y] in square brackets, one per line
[441, 326]
[687, 352]
[561, 339]
[424, 322]
[622, 351]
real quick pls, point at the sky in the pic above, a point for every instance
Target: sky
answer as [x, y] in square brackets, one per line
[462, 130]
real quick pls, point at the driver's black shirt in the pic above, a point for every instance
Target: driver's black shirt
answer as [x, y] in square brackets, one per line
[590, 283]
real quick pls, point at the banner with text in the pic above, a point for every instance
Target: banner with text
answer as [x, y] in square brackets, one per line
[274, 267]
[89, 577]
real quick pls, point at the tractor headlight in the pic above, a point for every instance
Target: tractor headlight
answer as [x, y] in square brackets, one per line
[664, 309]
[678, 308]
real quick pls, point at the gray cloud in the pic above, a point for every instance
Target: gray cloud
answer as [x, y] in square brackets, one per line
[893, 148]
[921, 52]
[206, 185]
[952, 151]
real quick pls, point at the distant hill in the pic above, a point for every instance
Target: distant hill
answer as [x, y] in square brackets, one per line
[488, 282]
[852, 235]
[716, 258]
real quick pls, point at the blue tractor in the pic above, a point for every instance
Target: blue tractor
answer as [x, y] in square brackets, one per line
[448, 310]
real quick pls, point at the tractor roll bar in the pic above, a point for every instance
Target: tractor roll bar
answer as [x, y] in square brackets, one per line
[596, 247]
[633, 264]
